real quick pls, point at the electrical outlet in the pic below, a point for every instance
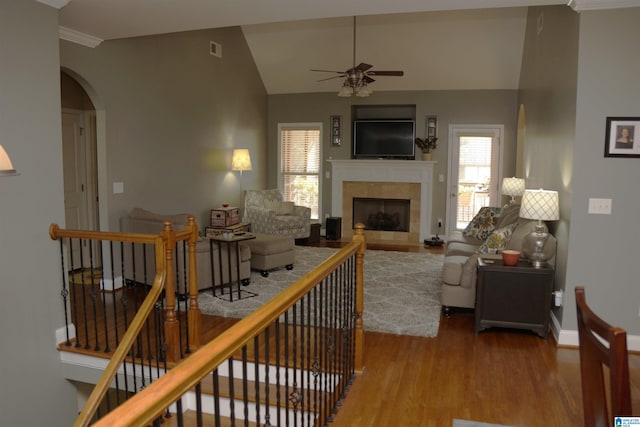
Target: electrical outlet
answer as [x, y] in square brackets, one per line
[439, 222]
[558, 298]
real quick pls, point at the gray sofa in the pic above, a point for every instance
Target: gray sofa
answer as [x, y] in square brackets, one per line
[143, 269]
[459, 269]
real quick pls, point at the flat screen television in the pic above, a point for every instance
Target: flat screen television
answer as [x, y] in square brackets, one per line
[385, 138]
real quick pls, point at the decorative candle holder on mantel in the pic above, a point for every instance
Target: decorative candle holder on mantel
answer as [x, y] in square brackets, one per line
[429, 143]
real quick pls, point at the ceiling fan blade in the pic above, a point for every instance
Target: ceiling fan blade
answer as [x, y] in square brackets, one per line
[385, 73]
[363, 67]
[367, 79]
[328, 71]
[331, 78]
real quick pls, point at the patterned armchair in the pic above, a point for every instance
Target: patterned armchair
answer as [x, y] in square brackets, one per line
[269, 214]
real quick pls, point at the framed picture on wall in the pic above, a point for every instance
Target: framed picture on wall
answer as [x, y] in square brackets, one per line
[432, 126]
[336, 130]
[621, 137]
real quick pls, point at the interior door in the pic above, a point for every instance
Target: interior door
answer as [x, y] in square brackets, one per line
[74, 155]
[475, 159]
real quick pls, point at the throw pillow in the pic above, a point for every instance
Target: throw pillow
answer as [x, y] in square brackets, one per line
[509, 215]
[285, 208]
[497, 240]
[469, 272]
[483, 223]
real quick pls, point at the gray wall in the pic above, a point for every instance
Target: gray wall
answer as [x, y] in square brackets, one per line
[603, 249]
[33, 391]
[548, 94]
[451, 107]
[172, 114]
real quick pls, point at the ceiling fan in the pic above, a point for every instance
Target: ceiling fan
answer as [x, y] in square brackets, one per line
[357, 78]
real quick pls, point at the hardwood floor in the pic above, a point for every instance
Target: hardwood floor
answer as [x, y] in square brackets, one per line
[503, 377]
[499, 376]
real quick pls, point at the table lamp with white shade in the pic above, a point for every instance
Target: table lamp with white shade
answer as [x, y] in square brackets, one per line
[542, 205]
[513, 187]
[6, 167]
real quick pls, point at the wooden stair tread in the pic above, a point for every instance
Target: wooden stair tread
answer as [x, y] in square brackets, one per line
[224, 383]
[189, 419]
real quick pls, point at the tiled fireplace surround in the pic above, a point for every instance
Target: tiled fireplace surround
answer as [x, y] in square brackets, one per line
[388, 179]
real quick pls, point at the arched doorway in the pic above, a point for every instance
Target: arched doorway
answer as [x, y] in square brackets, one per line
[521, 139]
[79, 156]
[77, 94]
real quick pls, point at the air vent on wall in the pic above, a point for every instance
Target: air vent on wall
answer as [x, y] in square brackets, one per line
[215, 49]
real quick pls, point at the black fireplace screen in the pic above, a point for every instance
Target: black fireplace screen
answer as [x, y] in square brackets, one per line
[382, 214]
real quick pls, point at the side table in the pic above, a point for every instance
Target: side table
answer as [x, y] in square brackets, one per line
[212, 231]
[513, 296]
[231, 241]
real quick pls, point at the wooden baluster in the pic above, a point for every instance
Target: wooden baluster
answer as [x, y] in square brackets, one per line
[358, 236]
[195, 316]
[171, 325]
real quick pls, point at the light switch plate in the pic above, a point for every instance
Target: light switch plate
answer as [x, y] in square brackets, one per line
[118, 187]
[600, 206]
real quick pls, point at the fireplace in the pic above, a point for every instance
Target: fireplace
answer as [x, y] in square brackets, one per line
[382, 214]
[410, 180]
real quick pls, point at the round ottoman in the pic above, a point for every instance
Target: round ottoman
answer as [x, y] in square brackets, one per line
[270, 251]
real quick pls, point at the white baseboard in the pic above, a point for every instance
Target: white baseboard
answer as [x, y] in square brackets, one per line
[569, 338]
[61, 333]
[112, 284]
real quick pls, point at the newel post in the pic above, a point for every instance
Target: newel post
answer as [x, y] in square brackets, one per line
[358, 236]
[171, 325]
[194, 314]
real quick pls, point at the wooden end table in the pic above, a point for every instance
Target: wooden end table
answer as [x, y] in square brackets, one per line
[513, 296]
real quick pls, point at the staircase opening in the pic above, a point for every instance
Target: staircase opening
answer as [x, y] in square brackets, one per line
[382, 214]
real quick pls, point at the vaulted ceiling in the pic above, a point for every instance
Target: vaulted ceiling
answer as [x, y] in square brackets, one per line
[439, 44]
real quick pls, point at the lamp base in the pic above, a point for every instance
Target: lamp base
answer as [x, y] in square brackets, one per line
[533, 246]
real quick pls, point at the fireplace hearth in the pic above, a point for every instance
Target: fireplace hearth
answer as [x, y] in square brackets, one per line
[382, 214]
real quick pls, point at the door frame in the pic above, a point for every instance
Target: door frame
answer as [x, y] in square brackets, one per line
[88, 135]
[453, 160]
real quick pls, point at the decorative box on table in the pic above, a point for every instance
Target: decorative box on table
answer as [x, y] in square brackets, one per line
[223, 217]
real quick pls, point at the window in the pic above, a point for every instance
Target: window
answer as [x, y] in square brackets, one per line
[299, 158]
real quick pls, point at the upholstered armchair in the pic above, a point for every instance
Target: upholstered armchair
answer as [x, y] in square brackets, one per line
[268, 213]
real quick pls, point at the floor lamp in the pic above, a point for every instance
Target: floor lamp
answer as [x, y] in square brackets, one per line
[241, 161]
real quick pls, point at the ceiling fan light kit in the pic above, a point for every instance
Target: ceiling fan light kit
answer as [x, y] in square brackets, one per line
[357, 78]
[346, 91]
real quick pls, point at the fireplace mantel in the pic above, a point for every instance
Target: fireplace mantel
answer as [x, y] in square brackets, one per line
[400, 171]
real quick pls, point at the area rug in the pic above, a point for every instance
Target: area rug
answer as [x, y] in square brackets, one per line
[401, 290]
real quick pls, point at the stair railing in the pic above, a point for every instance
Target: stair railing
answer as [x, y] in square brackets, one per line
[93, 261]
[306, 343]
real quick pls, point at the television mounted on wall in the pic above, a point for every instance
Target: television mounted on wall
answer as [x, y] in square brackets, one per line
[384, 139]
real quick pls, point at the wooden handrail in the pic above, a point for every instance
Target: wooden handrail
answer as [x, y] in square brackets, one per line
[138, 321]
[164, 280]
[55, 232]
[145, 406]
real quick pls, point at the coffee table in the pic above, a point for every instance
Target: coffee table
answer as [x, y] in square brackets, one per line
[231, 241]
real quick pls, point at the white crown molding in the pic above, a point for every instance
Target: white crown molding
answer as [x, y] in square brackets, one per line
[580, 5]
[58, 4]
[77, 37]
